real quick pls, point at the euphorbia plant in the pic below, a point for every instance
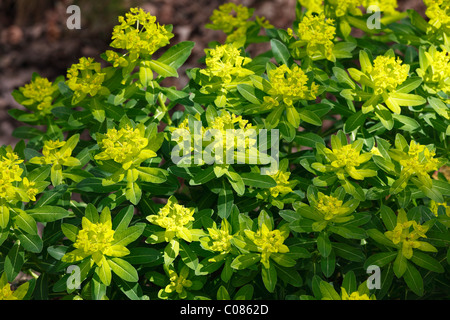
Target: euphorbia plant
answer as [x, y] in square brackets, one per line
[113, 193]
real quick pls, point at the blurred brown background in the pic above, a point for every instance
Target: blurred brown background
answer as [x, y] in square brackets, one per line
[34, 36]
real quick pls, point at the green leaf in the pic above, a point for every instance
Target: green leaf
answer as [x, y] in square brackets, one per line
[188, 256]
[324, 245]
[123, 269]
[354, 121]
[388, 216]
[269, 277]
[310, 117]
[425, 261]
[127, 236]
[143, 255]
[70, 231]
[14, 261]
[257, 180]
[48, 213]
[380, 259]
[348, 252]
[328, 264]
[153, 175]
[280, 52]
[133, 193]
[328, 292]
[31, 243]
[225, 201]
[177, 55]
[171, 251]
[400, 264]
[250, 93]
[163, 69]
[413, 279]
[246, 260]
[25, 222]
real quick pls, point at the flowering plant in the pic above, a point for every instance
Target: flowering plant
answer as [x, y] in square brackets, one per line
[124, 188]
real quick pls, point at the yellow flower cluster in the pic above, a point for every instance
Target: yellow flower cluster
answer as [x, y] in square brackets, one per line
[312, 6]
[7, 294]
[39, 92]
[228, 121]
[230, 17]
[178, 283]
[139, 34]
[436, 73]
[439, 13]
[289, 85]
[344, 7]
[95, 238]
[408, 239]
[10, 173]
[318, 33]
[221, 238]
[173, 217]
[387, 73]
[55, 153]
[234, 20]
[330, 206]
[434, 206]
[348, 157]
[268, 242]
[125, 146]
[419, 161]
[386, 6]
[225, 61]
[354, 295]
[85, 78]
[283, 184]
[116, 59]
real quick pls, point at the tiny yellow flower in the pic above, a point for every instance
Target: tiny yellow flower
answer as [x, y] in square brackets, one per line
[354, 295]
[330, 207]
[139, 34]
[178, 283]
[268, 241]
[39, 94]
[434, 206]
[387, 73]
[220, 239]
[341, 8]
[96, 240]
[283, 185]
[85, 77]
[7, 294]
[126, 146]
[435, 71]
[408, 239]
[386, 6]
[290, 85]
[226, 62]
[317, 32]
[312, 6]
[176, 219]
[438, 13]
[10, 173]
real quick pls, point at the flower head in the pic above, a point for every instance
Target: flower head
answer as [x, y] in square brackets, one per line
[435, 70]
[127, 146]
[139, 34]
[39, 94]
[317, 32]
[226, 62]
[387, 73]
[7, 294]
[341, 8]
[290, 85]
[434, 207]
[96, 240]
[438, 11]
[85, 77]
[268, 242]
[178, 284]
[219, 240]
[407, 238]
[10, 173]
[175, 218]
[283, 183]
[354, 295]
